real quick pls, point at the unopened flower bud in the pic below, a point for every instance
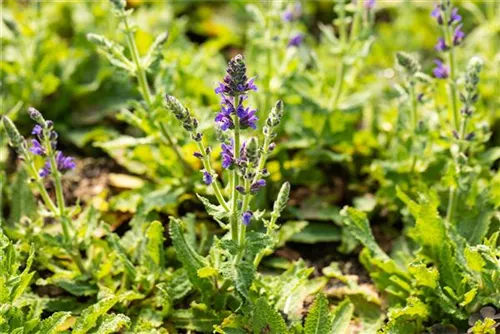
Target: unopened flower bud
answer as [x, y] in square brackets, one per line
[36, 116]
[15, 138]
[282, 199]
[252, 151]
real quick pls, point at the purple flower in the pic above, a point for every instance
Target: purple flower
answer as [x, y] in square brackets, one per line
[436, 13]
[207, 178]
[441, 45]
[225, 121]
[291, 14]
[458, 36]
[198, 155]
[296, 40]
[63, 164]
[37, 131]
[454, 16]
[247, 118]
[287, 15]
[247, 217]
[254, 188]
[441, 71]
[37, 148]
[369, 4]
[227, 156]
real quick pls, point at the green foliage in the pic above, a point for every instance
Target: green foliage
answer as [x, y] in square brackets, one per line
[318, 320]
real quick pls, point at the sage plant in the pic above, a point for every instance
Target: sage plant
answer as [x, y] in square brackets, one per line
[243, 161]
[44, 144]
[138, 67]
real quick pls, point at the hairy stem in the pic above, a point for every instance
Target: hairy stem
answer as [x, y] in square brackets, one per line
[215, 185]
[234, 193]
[146, 93]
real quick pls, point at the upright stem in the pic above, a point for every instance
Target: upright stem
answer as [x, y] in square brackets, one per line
[145, 91]
[452, 201]
[453, 98]
[236, 153]
[41, 188]
[414, 121]
[339, 83]
[215, 185]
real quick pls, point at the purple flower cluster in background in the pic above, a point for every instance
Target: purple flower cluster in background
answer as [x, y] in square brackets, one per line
[441, 13]
[292, 13]
[296, 40]
[233, 91]
[440, 71]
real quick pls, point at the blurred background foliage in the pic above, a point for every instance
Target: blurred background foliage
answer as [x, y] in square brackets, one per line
[330, 153]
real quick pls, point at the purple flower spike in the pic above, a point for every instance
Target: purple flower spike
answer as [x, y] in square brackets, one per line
[458, 36]
[37, 131]
[207, 178]
[441, 71]
[441, 45]
[254, 188]
[296, 40]
[247, 217]
[224, 121]
[37, 148]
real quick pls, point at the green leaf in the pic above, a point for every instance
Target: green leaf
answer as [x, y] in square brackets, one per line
[24, 279]
[112, 323]
[22, 202]
[429, 226]
[241, 274]
[341, 317]
[318, 320]
[256, 242]
[120, 251]
[91, 314]
[50, 325]
[357, 224]
[191, 260]
[154, 243]
[317, 232]
[216, 211]
[266, 319]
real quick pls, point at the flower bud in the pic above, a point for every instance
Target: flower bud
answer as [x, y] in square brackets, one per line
[119, 4]
[36, 116]
[282, 199]
[408, 62]
[252, 151]
[15, 138]
[11, 25]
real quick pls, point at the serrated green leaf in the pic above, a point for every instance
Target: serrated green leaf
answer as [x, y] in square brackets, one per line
[50, 325]
[91, 314]
[318, 320]
[341, 317]
[357, 224]
[267, 319]
[24, 279]
[154, 243]
[122, 255]
[255, 243]
[191, 260]
[22, 202]
[112, 323]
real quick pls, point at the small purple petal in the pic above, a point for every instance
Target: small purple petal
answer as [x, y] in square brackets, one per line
[37, 131]
[37, 148]
[247, 217]
[440, 71]
[296, 40]
[207, 178]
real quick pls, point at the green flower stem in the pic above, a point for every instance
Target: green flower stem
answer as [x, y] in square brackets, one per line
[356, 20]
[270, 229]
[339, 84]
[452, 83]
[215, 185]
[32, 172]
[146, 93]
[452, 201]
[414, 120]
[234, 193]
